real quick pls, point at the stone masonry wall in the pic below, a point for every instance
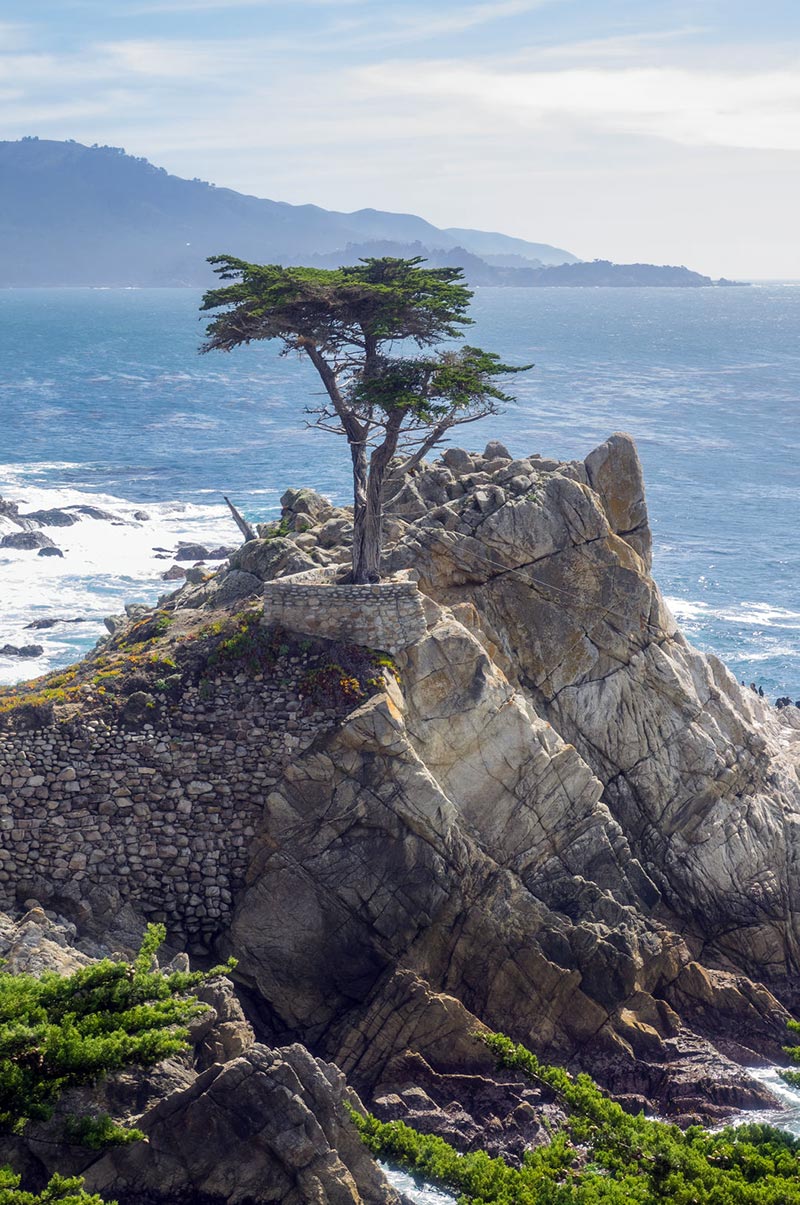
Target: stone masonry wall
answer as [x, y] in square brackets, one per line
[388, 615]
[162, 817]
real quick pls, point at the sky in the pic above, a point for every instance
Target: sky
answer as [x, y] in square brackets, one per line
[618, 129]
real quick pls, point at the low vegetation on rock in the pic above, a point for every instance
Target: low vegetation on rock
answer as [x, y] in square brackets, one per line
[156, 656]
[789, 1075]
[603, 1156]
[58, 1032]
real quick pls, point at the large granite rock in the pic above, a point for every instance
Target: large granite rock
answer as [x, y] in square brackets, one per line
[699, 775]
[445, 839]
[554, 818]
[269, 1126]
[271, 558]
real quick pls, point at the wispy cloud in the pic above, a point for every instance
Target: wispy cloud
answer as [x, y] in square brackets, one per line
[628, 47]
[411, 24]
[178, 60]
[154, 7]
[627, 138]
[757, 109]
[423, 24]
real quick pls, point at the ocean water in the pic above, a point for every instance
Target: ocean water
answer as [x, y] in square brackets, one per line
[104, 399]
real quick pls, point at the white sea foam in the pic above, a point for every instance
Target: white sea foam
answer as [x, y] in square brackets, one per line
[105, 565]
[754, 614]
[785, 1118]
[424, 1195]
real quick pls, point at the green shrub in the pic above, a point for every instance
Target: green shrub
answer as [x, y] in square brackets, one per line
[97, 1133]
[57, 1032]
[60, 1191]
[790, 1077]
[602, 1156]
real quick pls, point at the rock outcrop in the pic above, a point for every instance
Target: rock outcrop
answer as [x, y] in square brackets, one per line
[693, 769]
[233, 1121]
[547, 814]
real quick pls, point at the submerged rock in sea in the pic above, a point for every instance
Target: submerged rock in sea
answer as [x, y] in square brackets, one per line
[54, 517]
[94, 512]
[51, 622]
[24, 650]
[191, 552]
[26, 541]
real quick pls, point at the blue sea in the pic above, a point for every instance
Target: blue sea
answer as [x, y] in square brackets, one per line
[104, 399]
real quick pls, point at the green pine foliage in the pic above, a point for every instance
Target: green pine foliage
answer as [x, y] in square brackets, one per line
[61, 1190]
[792, 1078]
[354, 323]
[97, 1133]
[58, 1032]
[603, 1156]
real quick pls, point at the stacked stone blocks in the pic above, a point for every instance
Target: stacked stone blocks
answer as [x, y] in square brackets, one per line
[385, 615]
[164, 817]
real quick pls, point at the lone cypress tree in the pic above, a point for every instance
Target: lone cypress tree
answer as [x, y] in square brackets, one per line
[348, 322]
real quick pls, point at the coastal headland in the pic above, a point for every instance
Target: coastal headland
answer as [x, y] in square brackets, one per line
[498, 789]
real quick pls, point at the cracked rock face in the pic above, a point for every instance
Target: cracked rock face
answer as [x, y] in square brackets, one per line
[698, 774]
[558, 813]
[444, 859]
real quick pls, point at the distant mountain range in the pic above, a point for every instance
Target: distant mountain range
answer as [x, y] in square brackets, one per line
[94, 216]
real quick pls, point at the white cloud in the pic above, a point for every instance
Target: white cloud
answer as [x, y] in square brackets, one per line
[640, 146]
[626, 47]
[425, 24]
[756, 109]
[176, 60]
[154, 7]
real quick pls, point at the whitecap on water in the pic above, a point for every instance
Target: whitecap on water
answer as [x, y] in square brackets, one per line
[422, 1194]
[757, 614]
[105, 564]
[786, 1118]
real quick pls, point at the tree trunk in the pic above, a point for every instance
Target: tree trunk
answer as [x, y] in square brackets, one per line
[368, 529]
[369, 559]
[248, 531]
[358, 453]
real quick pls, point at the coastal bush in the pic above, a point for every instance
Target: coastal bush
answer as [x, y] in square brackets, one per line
[789, 1076]
[347, 681]
[59, 1032]
[247, 642]
[61, 1190]
[147, 629]
[602, 1156]
[278, 529]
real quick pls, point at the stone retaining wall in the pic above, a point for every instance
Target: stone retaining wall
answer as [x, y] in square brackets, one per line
[163, 817]
[388, 615]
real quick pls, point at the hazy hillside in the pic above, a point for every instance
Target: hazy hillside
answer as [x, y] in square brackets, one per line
[502, 247]
[94, 216]
[71, 214]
